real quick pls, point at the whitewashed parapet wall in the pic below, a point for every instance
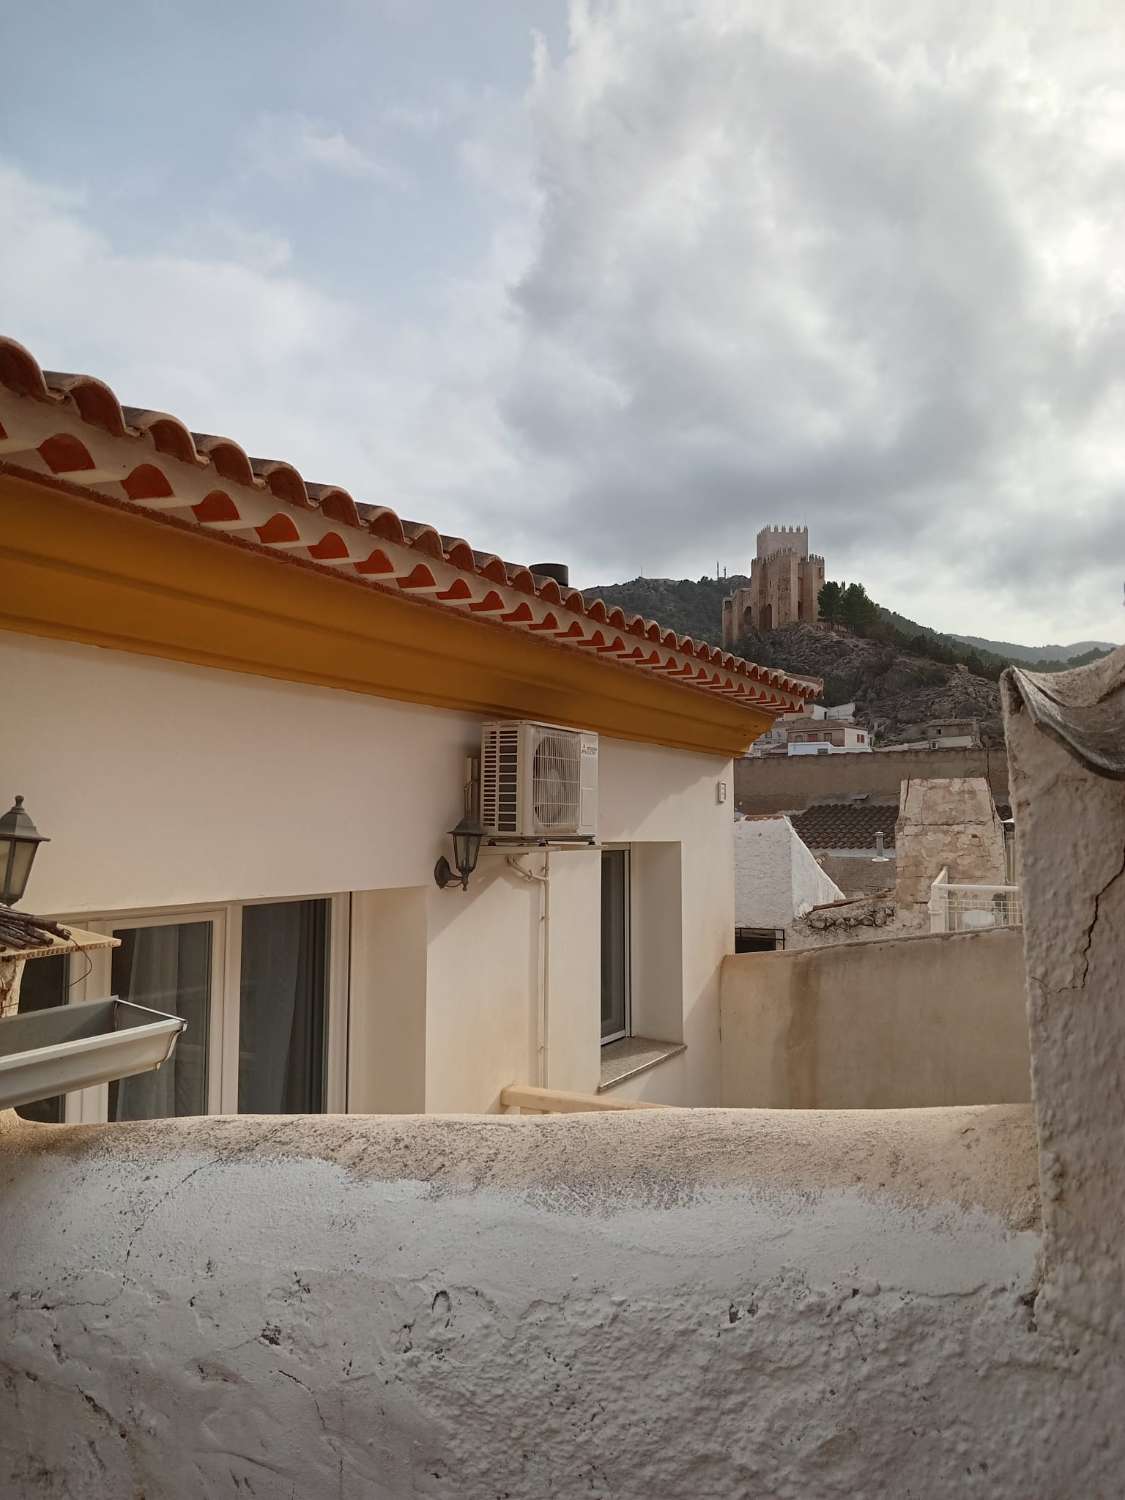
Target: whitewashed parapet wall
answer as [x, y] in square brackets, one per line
[646, 1305]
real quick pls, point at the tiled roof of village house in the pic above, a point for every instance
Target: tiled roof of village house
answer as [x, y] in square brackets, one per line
[852, 825]
[71, 430]
[845, 825]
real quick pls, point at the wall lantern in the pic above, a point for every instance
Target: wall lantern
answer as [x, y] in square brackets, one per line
[19, 839]
[466, 847]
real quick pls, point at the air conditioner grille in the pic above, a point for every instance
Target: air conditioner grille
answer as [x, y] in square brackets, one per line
[556, 781]
[500, 779]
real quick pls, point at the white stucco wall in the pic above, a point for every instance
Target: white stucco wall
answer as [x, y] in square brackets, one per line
[164, 785]
[775, 875]
[729, 1304]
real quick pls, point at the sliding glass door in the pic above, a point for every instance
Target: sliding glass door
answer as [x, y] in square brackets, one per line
[168, 966]
[283, 1008]
[263, 989]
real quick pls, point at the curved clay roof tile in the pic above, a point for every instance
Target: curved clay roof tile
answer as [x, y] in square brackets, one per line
[20, 372]
[380, 520]
[549, 591]
[167, 434]
[225, 457]
[520, 578]
[95, 401]
[424, 539]
[459, 553]
[283, 480]
[490, 567]
[334, 503]
[596, 610]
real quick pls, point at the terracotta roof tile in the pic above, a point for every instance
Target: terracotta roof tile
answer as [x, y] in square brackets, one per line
[74, 428]
[846, 825]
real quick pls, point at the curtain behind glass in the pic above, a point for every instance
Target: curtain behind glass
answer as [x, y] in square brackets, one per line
[283, 1008]
[43, 985]
[169, 969]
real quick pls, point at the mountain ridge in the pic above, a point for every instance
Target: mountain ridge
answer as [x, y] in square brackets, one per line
[1034, 653]
[694, 607]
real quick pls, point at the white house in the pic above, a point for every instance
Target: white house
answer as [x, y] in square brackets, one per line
[776, 879]
[242, 706]
[815, 730]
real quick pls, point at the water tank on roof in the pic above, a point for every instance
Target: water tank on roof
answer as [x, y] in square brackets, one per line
[560, 572]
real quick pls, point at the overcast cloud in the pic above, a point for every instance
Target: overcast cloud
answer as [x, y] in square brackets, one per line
[623, 292]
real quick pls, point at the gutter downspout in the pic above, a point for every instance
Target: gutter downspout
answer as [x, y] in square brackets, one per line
[543, 1008]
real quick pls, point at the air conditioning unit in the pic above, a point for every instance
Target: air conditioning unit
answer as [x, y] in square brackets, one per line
[538, 782]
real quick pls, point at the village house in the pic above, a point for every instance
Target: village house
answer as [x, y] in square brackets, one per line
[815, 730]
[249, 710]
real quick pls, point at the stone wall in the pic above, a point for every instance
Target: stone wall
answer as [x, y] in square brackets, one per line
[946, 824]
[790, 784]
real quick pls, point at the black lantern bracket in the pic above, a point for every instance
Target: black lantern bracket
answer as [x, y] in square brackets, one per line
[19, 843]
[466, 838]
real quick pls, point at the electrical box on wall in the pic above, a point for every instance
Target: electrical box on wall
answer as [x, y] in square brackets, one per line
[538, 781]
[721, 791]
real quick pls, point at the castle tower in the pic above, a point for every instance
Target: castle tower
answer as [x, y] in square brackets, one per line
[785, 582]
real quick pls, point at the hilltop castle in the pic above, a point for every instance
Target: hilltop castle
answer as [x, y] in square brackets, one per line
[785, 580]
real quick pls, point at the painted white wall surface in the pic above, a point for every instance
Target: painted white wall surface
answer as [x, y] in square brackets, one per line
[724, 1304]
[164, 785]
[775, 875]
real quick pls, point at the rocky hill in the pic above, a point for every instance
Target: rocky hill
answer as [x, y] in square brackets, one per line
[892, 690]
[683, 604]
[898, 672]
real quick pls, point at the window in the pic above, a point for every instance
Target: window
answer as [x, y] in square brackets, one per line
[758, 939]
[263, 988]
[615, 944]
[282, 1058]
[43, 985]
[167, 966]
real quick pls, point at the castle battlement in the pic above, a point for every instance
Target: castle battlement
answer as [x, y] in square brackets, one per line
[785, 583]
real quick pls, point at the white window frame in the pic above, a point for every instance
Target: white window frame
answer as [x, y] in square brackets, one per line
[627, 850]
[90, 1106]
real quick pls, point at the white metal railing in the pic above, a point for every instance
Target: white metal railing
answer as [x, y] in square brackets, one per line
[959, 907]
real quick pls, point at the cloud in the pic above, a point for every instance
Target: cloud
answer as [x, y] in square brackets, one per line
[856, 269]
[236, 342]
[289, 146]
[858, 266]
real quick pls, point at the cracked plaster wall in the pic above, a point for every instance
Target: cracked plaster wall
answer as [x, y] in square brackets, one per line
[383, 1308]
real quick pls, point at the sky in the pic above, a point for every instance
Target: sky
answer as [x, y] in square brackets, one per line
[613, 283]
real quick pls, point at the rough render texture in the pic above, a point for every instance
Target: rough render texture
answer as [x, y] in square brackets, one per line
[946, 823]
[721, 1304]
[1071, 854]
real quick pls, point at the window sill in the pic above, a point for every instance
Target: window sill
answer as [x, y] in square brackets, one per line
[633, 1055]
